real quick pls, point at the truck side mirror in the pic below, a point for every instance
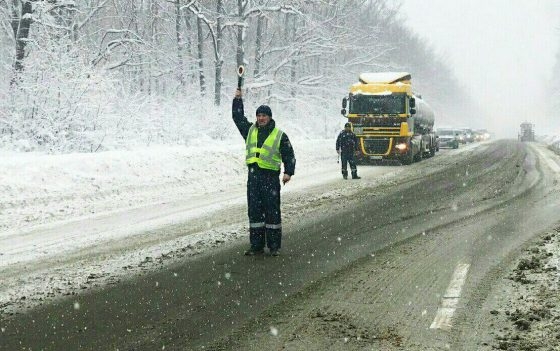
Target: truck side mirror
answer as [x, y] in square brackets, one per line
[412, 111]
[344, 102]
[343, 112]
[412, 102]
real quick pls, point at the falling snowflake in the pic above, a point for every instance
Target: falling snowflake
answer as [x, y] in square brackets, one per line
[273, 331]
[76, 305]
[339, 239]
[157, 284]
[228, 276]
[424, 312]
[3, 329]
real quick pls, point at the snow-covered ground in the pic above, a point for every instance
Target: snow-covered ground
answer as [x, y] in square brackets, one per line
[138, 190]
[70, 222]
[73, 222]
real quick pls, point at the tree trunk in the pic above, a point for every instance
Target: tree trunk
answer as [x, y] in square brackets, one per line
[293, 64]
[189, 48]
[178, 35]
[201, 56]
[289, 34]
[153, 29]
[219, 59]
[240, 35]
[21, 23]
[258, 45]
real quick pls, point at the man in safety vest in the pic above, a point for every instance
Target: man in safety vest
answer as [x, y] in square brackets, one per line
[267, 147]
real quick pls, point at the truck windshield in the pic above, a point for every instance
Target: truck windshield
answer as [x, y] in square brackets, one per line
[377, 104]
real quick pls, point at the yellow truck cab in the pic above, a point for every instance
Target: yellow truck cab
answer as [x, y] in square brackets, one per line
[389, 120]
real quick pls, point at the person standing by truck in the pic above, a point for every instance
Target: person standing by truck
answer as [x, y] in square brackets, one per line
[267, 147]
[347, 146]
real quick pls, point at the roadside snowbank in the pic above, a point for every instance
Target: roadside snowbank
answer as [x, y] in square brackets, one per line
[39, 188]
[526, 314]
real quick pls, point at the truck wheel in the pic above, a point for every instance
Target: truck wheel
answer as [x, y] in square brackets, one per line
[407, 158]
[418, 157]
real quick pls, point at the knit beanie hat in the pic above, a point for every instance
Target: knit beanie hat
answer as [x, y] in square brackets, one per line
[265, 110]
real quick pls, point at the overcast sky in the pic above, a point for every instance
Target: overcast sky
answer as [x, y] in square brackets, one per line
[501, 50]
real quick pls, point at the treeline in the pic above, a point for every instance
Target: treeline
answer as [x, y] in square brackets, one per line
[95, 74]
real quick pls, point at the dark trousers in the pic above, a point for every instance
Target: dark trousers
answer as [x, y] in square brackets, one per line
[263, 199]
[348, 159]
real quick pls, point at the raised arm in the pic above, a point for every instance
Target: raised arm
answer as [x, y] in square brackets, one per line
[238, 115]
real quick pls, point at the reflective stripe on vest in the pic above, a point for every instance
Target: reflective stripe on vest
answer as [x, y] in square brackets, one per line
[269, 156]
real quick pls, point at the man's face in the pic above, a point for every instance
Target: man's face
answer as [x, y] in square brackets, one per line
[347, 129]
[262, 119]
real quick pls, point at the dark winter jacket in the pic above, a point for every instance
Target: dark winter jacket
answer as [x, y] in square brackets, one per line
[347, 143]
[286, 150]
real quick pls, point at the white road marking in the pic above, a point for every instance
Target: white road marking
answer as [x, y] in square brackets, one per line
[451, 298]
[552, 164]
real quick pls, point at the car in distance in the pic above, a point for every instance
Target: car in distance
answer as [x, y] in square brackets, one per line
[469, 136]
[448, 138]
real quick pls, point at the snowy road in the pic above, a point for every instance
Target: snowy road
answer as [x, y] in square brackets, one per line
[338, 233]
[80, 248]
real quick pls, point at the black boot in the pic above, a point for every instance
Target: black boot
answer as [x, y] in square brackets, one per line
[355, 175]
[254, 252]
[345, 174]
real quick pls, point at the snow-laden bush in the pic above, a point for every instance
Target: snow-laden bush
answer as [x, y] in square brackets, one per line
[58, 104]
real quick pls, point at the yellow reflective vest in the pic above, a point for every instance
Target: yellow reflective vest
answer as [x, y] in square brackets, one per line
[269, 156]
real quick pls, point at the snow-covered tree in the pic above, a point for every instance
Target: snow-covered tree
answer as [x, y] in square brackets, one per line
[95, 74]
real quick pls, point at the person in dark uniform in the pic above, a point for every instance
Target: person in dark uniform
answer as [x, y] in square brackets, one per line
[267, 147]
[347, 146]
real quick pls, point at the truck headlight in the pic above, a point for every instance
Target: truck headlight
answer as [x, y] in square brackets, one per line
[401, 147]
